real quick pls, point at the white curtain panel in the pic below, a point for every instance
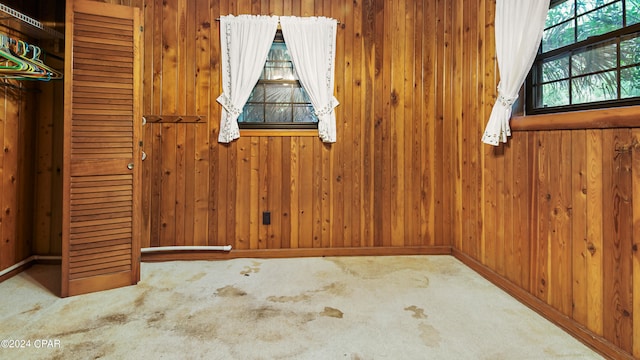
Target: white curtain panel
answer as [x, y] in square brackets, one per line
[311, 42]
[519, 26]
[245, 41]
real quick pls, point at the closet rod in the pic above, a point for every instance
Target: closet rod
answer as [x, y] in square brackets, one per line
[36, 27]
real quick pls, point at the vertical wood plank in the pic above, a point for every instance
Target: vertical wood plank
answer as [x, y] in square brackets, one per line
[618, 215]
[560, 222]
[579, 191]
[285, 194]
[275, 193]
[156, 183]
[595, 235]
[9, 187]
[427, 101]
[180, 200]
[305, 226]
[397, 135]
[201, 185]
[255, 207]
[265, 156]
[540, 239]
[168, 189]
[635, 173]
[170, 56]
[243, 199]
[293, 193]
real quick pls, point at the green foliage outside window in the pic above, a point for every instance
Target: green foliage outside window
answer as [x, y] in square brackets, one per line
[590, 54]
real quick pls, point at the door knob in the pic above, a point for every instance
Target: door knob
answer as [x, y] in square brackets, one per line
[130, 166]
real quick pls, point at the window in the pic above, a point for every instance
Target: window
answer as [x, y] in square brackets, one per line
[589, 57]
[278, 99]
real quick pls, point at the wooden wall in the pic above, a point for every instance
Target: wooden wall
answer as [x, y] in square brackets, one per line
[383, 184]
[16, 175]
[551, 215]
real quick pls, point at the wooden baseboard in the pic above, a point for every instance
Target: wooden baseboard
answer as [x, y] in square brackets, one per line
[289, 253]
[572, 327]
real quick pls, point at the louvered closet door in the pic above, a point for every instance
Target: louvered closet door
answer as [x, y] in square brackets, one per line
[101, 246]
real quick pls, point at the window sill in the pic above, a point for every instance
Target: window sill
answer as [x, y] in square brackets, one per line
[621, 117]
[279, 132]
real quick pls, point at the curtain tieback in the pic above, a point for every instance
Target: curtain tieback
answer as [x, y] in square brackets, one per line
[507, 101]
[326, 110]
[228, 105]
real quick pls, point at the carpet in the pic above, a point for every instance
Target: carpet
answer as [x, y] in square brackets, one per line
[390, 307]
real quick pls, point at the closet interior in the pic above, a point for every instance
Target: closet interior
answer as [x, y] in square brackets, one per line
[31, 128]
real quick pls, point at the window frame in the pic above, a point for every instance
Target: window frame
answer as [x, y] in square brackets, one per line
[574, 48]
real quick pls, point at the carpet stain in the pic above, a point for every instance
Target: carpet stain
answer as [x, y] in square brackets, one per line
[115, 319]
[337, 289]
[197, 276]
[418, 313]
[140, 300]
[86, 350]
[35, 308]
[251, 269]
[293, 299]
[155, 317]
[430, 336]
[331, 312]
[263, 312]
[379, 267]
[197, 325]
[230, 291]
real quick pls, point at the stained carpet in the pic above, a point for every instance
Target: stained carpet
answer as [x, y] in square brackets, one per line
[392, 307]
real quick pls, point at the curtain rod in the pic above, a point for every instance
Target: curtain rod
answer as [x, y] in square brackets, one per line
[339, 23]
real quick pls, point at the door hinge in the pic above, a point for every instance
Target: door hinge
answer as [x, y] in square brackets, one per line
[141, 28]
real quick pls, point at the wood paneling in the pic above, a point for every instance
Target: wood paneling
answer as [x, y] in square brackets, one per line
[557, 224]
[379, 185]
[16, 174]
[550, 216]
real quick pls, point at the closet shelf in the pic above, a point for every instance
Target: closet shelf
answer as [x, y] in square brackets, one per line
[22, 23]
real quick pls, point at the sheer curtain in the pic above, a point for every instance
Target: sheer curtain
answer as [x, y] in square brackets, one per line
[311, 42]
[519, 26]
[245, 42]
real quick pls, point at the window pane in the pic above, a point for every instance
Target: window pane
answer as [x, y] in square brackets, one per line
[277, 113]
[252, 113]
[278, 93]
[278, 70]
[555, 94]
[633, 12]
[597, 87]
[630, 82]
[278, 65]
[597, 58]
[300, 96]
[560, 13]
[257, 95]
[600, 21]
[304, 114]
[588, 5]
[629, 53]
[557, 69]
[558, 36]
